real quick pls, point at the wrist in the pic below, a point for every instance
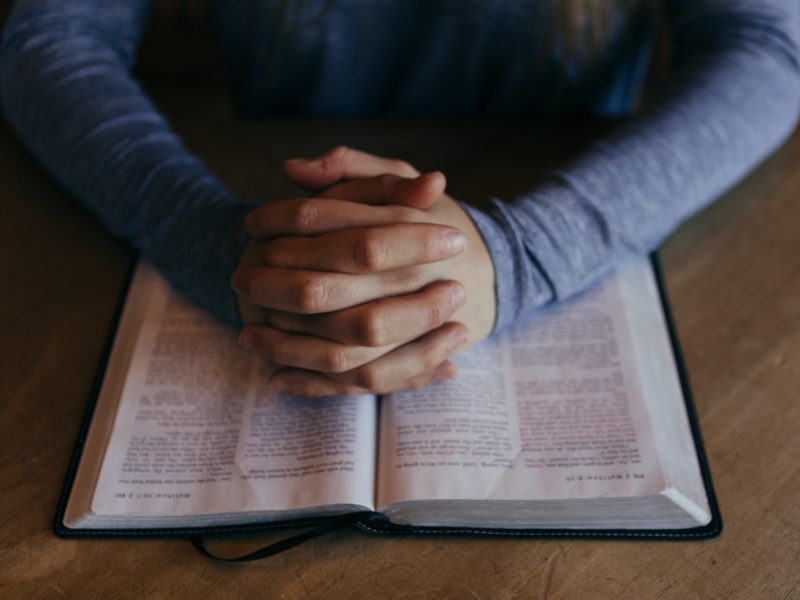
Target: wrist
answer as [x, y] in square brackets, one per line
[519, 282]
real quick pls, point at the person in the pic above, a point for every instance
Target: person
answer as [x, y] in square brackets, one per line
[344, 302]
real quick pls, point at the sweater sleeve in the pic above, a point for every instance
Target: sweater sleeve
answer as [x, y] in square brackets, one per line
[67, 91]
[732, 97]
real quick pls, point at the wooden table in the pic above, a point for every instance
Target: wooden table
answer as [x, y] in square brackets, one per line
[733, 274]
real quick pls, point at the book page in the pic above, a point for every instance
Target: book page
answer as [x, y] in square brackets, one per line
[652, 351]
[553, 410]
[197, 432]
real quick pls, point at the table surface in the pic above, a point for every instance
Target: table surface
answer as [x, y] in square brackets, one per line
[733, 275]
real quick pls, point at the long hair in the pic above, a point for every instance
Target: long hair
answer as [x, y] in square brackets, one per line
[584, 28]
[586, 40]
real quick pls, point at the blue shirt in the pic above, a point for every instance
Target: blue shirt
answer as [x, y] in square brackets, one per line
[732, 96]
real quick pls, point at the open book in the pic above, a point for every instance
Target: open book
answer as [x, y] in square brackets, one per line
[575, 421]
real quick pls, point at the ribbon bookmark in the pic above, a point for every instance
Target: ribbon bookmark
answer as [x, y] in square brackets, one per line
[334, 524]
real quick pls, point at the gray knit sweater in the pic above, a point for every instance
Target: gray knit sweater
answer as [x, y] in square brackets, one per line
[732, 96]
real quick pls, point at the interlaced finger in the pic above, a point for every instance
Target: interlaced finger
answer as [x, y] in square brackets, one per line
[381, 322]
[314, 216]
[341, 163]
[365, 250]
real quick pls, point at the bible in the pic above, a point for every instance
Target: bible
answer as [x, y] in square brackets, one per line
[576, 423]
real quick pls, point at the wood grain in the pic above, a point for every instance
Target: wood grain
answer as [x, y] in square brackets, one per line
[733, 274]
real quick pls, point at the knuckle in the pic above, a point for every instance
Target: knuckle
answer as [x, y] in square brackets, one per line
[371, 329]
[369, 378]
[338, 152]
[433, 315]
[303, 216]
[369, 253]
[338, 155]
[311, 295]
[431, 247]
[336, 360]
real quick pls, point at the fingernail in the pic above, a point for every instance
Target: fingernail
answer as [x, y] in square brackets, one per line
[456, 242]
[458, 297]
[247, 339]
[279, 385]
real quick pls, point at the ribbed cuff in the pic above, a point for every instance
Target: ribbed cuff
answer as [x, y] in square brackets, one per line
[200, 253]
[520, 285]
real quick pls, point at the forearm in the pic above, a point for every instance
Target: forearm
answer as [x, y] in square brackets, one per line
[732, 98]
[68, 93]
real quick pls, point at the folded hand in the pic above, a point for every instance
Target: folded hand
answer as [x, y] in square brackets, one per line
[364, 285]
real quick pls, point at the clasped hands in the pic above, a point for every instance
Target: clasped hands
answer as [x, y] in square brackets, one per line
[367, 286]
